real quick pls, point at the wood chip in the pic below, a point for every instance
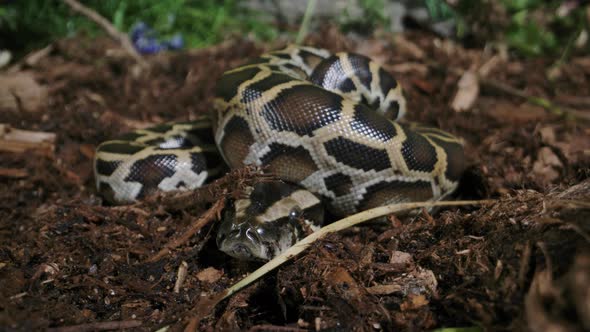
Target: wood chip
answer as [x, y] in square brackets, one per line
[414, 302]
[209, 275]
[401, 259]
[19, 141]
[467, 92]
[409, 67]
[20, 92]
[180, 276]
[384, 289]
[510, 113]
[16, 173]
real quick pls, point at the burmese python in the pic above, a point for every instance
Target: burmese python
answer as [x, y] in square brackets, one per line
[319, 122]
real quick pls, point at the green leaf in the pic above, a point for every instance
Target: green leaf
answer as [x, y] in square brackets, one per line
[515, 5]
[119, 16]
[530, 39]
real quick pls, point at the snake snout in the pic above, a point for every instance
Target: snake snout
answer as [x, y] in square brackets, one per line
[241, 250]
[246, 235]
[242, 243]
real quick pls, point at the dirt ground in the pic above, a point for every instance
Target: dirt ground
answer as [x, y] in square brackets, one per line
[70, 262]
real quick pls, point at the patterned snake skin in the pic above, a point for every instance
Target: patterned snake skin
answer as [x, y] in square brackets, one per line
[322, 122]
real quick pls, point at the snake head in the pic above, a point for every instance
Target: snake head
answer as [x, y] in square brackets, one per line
[273, 217]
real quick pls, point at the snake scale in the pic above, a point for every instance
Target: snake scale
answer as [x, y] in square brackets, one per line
[324, 124]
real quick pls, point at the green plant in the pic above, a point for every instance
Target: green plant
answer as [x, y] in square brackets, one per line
[372, 16]
[529, 27]
[201, 22]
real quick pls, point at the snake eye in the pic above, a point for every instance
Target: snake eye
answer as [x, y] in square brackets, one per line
[295, 213]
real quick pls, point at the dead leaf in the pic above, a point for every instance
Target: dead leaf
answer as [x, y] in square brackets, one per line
[374, 49]
[404, 45]
[547, 165]
[507, 112]
[209, 275]
[467, 92]
[548, 135]
[342, 279]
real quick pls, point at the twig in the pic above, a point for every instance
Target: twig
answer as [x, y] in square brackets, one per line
[30, 59]
[505, 88]
[110, 30]
[276, 328]
[180, 276]
[192, 230]
[347, 222]
[232, 183]
[19, 141]
[306, 21]
[15, 173]
[99, 326]
[207, 304]
[545, 103]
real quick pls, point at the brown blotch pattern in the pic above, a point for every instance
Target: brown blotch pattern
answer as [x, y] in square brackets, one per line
[357, 155]
[151, 170]
[236, 141]
[390, 192]
[302, 109]
[372, 125]
[289, 163]
[417, 152]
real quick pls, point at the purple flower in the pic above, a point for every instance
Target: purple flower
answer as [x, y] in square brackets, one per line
[146, 42]
[148, 45]
[139, 30]
[175, 42]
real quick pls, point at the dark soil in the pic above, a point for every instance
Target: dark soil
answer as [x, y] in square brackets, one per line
[67, 259]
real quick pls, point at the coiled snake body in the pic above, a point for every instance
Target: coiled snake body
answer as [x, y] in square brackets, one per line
[324, 124]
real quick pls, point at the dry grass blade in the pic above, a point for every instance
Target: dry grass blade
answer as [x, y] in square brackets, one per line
[347, 222]
[207, 304]
[110, 29]
[206, 218]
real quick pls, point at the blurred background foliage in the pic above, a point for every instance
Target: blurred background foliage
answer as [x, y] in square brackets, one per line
[527, 27]
[34, 23]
